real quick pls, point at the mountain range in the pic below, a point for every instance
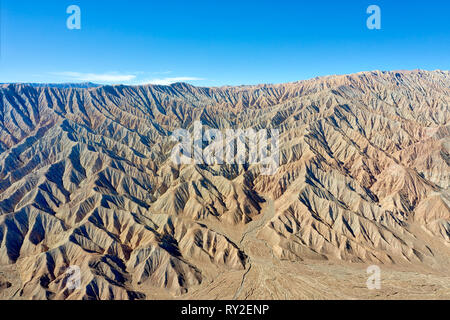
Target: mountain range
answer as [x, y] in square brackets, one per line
[86, 180]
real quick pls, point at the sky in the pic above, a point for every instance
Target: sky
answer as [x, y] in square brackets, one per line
[216, 42]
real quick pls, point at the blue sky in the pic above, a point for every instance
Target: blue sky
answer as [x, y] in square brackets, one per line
[214, 43]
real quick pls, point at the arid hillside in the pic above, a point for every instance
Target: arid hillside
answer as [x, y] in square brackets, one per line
[86, 180]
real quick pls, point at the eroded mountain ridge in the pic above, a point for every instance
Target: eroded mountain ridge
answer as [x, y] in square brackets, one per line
[86, 180]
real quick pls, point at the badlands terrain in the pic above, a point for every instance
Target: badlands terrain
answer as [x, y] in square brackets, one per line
[86, 180]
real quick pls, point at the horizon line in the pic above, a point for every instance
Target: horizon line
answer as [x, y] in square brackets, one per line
[98, 85]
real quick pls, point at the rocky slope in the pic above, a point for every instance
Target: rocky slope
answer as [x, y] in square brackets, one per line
[86, 180]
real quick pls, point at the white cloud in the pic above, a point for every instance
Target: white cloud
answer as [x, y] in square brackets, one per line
[115, 78]
[162, 72]
[95, 77]
[169, 81]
